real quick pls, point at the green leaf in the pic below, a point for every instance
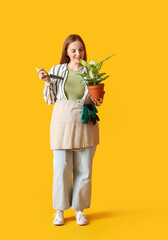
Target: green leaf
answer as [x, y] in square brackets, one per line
[90, 79]
[106, 59]
[98, 66]
[105, 77]
[84, 63]
[101, 74]
[91, 74]
[98, 81]
[83, 74]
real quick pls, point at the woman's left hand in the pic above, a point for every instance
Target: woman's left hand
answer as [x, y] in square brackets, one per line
[98, 102]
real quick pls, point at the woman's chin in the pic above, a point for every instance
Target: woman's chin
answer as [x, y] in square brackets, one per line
[77, 61]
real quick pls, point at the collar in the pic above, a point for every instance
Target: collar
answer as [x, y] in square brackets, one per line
[65, 67]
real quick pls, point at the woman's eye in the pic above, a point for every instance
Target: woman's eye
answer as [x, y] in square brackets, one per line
[81, 50]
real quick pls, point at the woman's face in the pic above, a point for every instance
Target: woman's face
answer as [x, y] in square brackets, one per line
[75, 51]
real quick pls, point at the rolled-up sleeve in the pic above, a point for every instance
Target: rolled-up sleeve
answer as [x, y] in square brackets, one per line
[49, 91]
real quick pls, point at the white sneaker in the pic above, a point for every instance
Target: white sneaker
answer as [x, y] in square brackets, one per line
[59, 218]
[80, 218]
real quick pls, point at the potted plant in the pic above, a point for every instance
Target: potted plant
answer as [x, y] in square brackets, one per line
[93, 78]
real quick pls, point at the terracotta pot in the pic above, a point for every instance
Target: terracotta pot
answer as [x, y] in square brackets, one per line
[96, 91]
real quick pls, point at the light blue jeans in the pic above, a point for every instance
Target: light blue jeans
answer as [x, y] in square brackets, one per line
[76, 191]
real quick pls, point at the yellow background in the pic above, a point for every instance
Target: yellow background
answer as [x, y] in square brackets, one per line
[129, 188]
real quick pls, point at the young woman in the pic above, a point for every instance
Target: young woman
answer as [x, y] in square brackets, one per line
[73, 142]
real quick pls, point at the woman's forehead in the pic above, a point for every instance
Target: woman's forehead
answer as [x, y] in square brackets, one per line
[76, 44]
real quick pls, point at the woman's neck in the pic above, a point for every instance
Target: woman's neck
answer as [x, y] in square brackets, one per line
[74, 66]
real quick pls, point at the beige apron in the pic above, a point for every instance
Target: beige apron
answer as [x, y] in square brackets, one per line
[66, 129]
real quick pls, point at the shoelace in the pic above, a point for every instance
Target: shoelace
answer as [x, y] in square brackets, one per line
[81, 214]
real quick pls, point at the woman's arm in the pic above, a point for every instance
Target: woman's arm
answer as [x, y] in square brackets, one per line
[97, 103]
[49, 91]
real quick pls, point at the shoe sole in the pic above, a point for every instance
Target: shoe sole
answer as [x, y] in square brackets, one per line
[82, 224]
[58, 224]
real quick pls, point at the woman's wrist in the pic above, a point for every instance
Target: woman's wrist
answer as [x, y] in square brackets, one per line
[48, 81]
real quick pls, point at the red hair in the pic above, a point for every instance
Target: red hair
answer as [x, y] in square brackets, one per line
[71, 38]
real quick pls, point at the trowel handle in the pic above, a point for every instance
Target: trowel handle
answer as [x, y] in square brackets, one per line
[37, 68]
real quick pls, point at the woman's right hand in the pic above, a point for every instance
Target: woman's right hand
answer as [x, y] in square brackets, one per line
[42, 76]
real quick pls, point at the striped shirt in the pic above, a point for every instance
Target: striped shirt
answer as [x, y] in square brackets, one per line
[55, 88]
